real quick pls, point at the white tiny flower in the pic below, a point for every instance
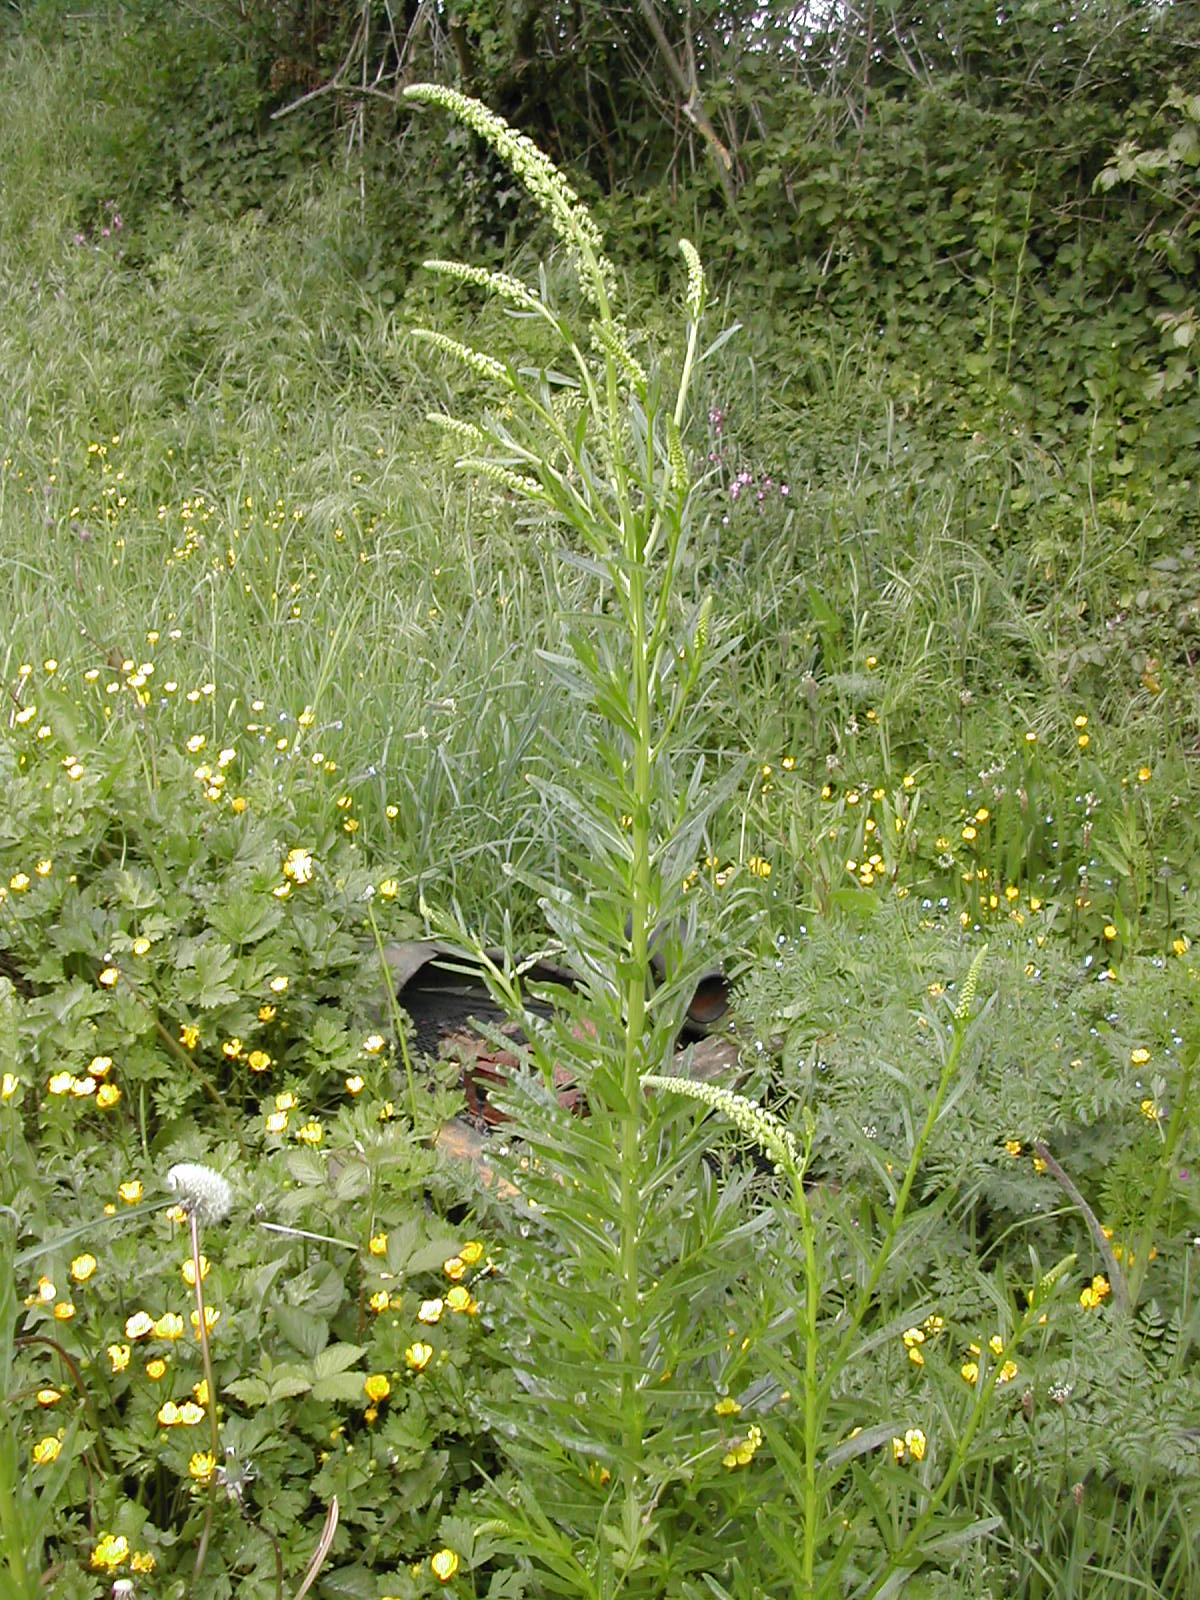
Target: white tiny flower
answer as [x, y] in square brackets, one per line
[203, 1192]
[772, 1136]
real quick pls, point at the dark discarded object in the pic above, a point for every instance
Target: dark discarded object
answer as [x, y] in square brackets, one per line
[453, 1014]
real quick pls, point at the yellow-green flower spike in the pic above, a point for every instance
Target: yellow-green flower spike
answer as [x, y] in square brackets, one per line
[963, 1009]
[696, 287]
[483, 365]
[763, 1127]
[514, 482]
[502, 284]
[546, 185]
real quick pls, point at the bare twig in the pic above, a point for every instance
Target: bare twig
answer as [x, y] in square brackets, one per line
[322, 1550]
[1115, 1276]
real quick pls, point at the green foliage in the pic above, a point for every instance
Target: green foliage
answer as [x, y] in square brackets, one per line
[871, 691]
[189, 979]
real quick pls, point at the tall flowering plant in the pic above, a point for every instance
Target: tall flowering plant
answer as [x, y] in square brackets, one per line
[590, 440]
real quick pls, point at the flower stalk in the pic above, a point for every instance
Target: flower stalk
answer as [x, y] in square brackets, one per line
[599, 451]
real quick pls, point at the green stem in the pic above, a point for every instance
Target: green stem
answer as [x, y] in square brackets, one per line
[904, 1555]
[210, 1381]
[631, 1091]
[397, 1015]
[813, 1403]
[883, 1255]
[23, 1341]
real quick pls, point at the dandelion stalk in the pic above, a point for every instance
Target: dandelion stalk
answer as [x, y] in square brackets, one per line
[210, 1381]
[206, 1197]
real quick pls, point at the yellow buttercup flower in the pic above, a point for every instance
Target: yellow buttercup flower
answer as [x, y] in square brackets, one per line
[111, 1551]
[418, 1356]
[46, 1450]
[377, 1387]
[298, 865]
[443, 1564]
[83, 1267]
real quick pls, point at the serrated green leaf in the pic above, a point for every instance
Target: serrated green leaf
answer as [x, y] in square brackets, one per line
[336, 1358]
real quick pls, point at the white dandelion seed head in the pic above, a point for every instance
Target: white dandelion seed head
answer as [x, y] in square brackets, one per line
[203, 1192]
